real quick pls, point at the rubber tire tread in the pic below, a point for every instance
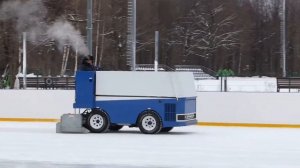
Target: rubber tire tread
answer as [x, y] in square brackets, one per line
[158, 121]
[105, 126]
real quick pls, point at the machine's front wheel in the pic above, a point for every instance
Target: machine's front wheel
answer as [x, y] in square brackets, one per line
[149, 123]
[98, 121]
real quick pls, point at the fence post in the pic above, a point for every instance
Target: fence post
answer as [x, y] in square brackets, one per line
[289, 85]
[225, 83]
[221, 84]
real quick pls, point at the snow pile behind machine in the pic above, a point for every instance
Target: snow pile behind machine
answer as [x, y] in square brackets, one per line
[70, 123]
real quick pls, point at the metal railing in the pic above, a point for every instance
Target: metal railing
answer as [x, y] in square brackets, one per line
[200, 72]
[48, 82]
[150, 67]
[288, 83]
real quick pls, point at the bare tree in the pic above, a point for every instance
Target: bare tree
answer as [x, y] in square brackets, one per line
[203, 32]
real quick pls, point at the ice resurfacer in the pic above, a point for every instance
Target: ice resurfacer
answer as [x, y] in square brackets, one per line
[153, 101]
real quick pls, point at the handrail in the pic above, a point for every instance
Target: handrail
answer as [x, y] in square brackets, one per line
[200, 72]
[150, 67]
[49, 82]
[288, 83]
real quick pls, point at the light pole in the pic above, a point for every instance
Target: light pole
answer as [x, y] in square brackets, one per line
[131, 38]
[283, 37]
[156, 51]
[90, 26]
[24, 61]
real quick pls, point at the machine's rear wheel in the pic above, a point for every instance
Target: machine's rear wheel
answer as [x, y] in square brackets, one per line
[97, 121]
[166, 129]
[149, 123]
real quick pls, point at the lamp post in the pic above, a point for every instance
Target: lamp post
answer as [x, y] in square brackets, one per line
[283, 37]
[156, 51]
[90, 26]
[24, 61]
[131, 37]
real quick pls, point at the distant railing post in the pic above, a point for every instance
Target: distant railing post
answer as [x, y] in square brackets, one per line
[67, 83]
[289, 84]
[37, 82]
[221, 83]
[225, 83]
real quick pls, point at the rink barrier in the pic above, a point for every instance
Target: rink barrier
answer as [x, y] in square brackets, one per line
[213, 108]
[28, 120]
[199, 123]
[248, 125]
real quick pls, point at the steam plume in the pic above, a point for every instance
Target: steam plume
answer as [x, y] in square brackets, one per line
[30, 17]
[64, 33]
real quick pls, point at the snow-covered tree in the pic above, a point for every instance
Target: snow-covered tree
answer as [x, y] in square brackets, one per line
[204, 31]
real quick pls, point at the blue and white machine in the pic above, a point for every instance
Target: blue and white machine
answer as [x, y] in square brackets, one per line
[153, 101]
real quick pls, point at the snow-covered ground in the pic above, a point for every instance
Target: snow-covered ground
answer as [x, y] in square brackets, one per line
[36, 145]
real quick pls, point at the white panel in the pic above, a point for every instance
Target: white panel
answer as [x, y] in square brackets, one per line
[146, 84]
[107, 98]
[36, 103]
[260, 108]
[265, 108]
[183, 83]
[239, 84]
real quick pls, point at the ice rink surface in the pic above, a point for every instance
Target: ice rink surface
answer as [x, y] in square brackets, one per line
[36, 145]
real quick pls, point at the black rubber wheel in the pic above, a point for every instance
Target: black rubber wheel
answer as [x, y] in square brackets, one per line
[115, 127]
[85, 116]
[97, 121]
[149, 123]
[166, 129]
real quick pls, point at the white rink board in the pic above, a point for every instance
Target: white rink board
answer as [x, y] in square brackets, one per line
[239, 84]
[36, 103]
[241, 107]
[231, 107]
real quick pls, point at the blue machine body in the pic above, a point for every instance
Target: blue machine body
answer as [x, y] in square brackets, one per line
[126, 110]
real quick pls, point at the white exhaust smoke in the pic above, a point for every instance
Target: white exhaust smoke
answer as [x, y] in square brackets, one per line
[30, 17]
[65, 33]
